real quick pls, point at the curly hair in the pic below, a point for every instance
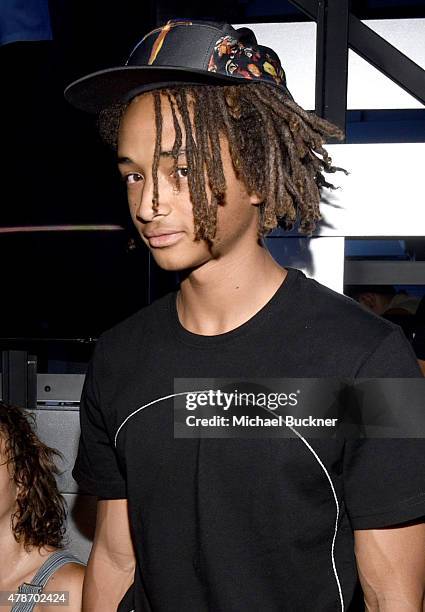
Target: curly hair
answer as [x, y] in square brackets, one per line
[276, 149]
[39, 519]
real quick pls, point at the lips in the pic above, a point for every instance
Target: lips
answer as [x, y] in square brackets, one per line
[160, 232]
[161, 238]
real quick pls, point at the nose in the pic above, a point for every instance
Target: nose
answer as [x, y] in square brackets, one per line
[151, 201]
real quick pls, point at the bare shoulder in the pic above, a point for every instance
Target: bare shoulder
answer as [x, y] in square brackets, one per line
[70, 574]
[69, 578]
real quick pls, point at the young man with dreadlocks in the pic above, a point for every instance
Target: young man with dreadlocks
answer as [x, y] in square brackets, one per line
[214, 150]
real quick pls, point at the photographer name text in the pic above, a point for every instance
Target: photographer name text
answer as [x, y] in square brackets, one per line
[257, 421]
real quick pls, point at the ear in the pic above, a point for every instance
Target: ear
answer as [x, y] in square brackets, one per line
[256, 198]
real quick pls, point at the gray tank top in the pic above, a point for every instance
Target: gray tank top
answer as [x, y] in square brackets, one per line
[52, 563]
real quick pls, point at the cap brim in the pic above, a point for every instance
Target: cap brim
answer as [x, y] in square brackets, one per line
[104, 88]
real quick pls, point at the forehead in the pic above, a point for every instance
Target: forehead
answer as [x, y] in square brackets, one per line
[139, 124]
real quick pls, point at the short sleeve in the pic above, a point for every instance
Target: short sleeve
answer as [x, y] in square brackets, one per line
[394, 357]
[384, 479]
[96, 468]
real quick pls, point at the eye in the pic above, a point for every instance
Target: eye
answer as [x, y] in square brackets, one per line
[182, 171]
[133, 177]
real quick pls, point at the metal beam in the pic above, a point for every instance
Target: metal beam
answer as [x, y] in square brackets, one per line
[377, 51]
[332, 61]
[387, 58]
[308, 7]
[19, 380]
[370, 272]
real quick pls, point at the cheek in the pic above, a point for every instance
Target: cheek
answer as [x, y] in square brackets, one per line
[237, 214]
[184, 204]
[133, 199]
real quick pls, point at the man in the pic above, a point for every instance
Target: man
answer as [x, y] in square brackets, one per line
[213, 151]
[384, 300]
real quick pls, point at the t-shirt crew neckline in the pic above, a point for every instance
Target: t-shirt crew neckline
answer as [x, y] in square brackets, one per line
[279, 298]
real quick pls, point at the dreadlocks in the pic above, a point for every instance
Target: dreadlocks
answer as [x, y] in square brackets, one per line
[275, 145]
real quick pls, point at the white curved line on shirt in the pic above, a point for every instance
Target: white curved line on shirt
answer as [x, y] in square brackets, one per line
[341, 598]
[320, 462]
[159, 399]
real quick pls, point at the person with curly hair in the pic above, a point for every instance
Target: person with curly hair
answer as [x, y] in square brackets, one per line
[215, 153]
[34, 560]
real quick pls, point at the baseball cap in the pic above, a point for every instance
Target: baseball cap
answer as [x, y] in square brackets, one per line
[189, 52]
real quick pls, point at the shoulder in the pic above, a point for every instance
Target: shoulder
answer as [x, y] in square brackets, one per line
[339, 332]
[137, 326]
[69, 578]
[70, 573]
[335, 311]
[118, 349]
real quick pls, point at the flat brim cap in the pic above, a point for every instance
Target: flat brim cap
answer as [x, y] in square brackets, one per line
[181, 52]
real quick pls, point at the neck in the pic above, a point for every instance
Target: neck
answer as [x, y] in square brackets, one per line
[21, 565]
[226, 292]
[10, 550]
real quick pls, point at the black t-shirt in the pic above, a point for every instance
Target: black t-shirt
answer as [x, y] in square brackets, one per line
[245, 524]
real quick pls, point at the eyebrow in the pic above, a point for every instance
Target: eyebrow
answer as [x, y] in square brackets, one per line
[127, 160]
[124, 160]
[170, 153]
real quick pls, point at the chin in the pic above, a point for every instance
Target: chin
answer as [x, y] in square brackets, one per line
[178, 262]
[170, 266]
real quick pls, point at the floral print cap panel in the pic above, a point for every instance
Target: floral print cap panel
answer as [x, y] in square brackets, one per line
[233, 58]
